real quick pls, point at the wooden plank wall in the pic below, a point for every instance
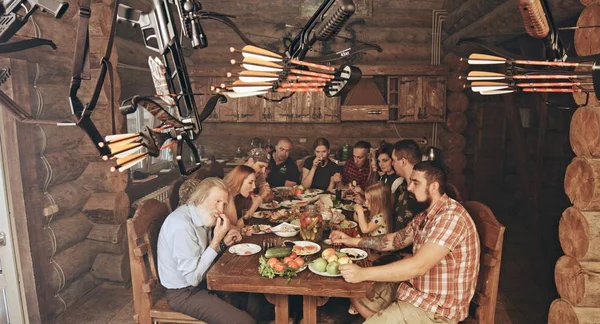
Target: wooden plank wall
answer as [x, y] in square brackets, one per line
[402, 28]
[222, 140]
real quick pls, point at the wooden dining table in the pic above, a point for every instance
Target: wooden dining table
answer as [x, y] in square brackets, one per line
[234, 273]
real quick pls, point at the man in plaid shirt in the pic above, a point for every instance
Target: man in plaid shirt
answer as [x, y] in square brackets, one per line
[437, 283]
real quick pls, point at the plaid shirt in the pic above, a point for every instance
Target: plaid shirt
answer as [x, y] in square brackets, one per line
[447, 288]
[353, 172]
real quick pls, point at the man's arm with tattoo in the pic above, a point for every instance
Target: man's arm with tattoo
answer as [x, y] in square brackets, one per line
[389, 242]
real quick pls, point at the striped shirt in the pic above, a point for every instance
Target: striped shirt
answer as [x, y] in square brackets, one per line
[447, 288]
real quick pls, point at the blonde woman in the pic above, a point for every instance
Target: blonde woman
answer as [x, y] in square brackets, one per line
[241, 182]
[378, 199]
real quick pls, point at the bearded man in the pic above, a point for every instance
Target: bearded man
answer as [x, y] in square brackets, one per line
[188, 246]
[437, 283]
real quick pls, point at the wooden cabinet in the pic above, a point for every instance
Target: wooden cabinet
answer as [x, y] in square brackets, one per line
[368, 113]
[302, 107]
[417, 99]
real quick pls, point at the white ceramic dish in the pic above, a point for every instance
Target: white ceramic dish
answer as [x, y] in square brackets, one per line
[306, 248]
[322, 273]
[355, 254]
[271, 205]
[244, 249]
[285, 230]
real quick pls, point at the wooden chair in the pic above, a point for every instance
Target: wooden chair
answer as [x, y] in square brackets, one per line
[150, 305]
[173, 193]
[491, 236]
[453, 192]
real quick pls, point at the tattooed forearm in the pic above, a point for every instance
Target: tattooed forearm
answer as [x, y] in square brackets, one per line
[401, 239]
[377, 243]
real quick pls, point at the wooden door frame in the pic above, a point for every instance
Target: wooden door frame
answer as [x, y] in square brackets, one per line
[25, 197]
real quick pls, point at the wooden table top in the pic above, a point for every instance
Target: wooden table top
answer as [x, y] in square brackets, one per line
[240, 274]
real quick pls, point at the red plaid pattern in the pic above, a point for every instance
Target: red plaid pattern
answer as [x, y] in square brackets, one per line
[352, 172]
[447, 288]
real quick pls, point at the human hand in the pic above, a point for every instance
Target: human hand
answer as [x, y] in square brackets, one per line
[221, 227]
[265, 191]
[351, 272]
[338, 237]
[354, 187]
[337, 177]
[232, 237]
[257, 200]
[359, 199]
[317, 161]
[358, 208]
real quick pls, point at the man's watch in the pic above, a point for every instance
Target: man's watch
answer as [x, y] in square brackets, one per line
[222, 246]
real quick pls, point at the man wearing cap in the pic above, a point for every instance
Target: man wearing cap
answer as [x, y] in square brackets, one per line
[258, 159]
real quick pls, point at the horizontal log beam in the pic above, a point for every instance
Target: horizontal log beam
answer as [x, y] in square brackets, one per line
[505, 19]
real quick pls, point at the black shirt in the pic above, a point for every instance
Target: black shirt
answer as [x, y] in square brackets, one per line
[280, 173]
[388, 179]
[322, 174]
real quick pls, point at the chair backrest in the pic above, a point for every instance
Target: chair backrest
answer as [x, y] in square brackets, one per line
[173, 193]
[453, 192]
[491, 236]
[142, 236]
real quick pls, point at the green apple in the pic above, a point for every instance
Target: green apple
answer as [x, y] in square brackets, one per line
[332, 258]
[333, 268]
[320, 264]
[341, 254]
[344, 260]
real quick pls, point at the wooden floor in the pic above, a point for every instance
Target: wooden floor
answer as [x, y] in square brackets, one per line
[520, 301]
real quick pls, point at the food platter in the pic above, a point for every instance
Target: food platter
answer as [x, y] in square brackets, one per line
[355, 254]
[270, 205]
[244, 249]
[305, 248]
[261, 214]
[322, 273]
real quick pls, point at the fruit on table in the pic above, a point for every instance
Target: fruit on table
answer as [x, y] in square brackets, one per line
[327, 253]
[298, 190]
[278, 252]
[332, 258]
[320, 264]
[344, 260]
[333, 268]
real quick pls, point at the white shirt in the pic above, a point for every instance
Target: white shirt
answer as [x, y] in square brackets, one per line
[184, 254]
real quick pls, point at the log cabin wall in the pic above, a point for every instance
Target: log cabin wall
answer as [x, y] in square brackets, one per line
[74, 206]
[576, 273]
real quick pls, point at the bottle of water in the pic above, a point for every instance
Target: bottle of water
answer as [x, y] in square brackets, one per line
[345, 150]
[238, 153]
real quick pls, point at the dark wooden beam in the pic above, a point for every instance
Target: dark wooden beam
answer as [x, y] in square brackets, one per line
[506, 23]
[468, 12]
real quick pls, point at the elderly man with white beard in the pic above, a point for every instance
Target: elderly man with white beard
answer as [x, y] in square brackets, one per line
[187, 247]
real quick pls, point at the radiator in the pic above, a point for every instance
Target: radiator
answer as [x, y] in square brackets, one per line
[161, 194]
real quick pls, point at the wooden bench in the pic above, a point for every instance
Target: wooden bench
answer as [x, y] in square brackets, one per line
[150, 305]
[491, 236]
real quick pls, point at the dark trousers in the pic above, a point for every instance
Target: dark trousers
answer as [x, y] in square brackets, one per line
[199, 303]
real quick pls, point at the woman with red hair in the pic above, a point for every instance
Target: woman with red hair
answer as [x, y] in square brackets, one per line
[241, 182]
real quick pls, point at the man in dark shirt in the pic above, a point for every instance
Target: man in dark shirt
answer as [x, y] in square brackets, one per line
[283, 171]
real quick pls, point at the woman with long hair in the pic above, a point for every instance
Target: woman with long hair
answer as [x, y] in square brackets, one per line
[378, 199]
[242, 182]
[320, 171]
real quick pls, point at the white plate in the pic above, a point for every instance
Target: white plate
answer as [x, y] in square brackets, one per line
[263, 229]
[325, 273]
[260, 214]
[348, 207]
[360, 254]
[276, 189]
[271, 205]
[244, 249]
[285, 230]
[351, 224]
[316, 248]
[293, 203]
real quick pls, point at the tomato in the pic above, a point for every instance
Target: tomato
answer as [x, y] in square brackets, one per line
[279, 267]
[287, 259]
[272, 261]
[293, 255]
[292, 264]
[299, 261]
[307, 221]
[310, 248]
